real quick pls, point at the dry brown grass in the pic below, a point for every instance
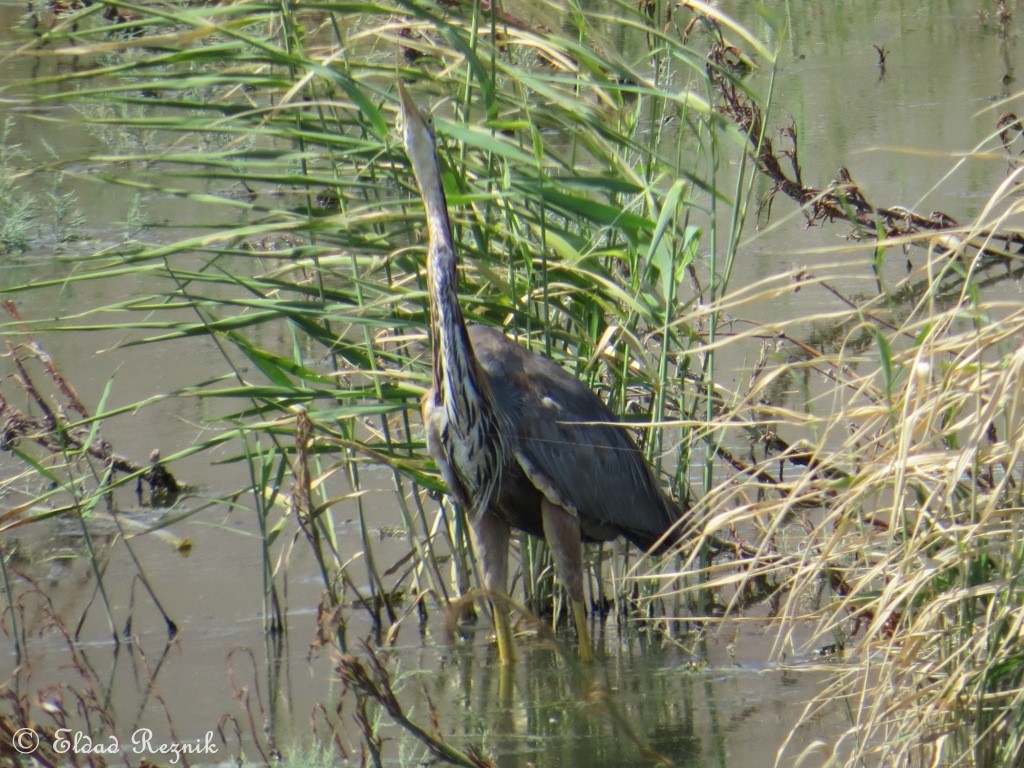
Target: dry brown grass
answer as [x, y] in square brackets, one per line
[898, 544]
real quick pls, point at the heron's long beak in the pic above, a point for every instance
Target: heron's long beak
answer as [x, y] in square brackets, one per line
[410, 112]
[418, 137]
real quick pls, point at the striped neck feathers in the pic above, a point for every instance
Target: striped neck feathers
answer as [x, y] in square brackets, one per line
[474, 437]
[457, 376]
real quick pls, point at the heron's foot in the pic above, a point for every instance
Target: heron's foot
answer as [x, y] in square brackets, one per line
[579, 615]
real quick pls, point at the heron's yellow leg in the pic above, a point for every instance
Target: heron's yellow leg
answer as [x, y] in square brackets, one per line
[562, 531]
[491, 535]
[503, 632]
[579, 616]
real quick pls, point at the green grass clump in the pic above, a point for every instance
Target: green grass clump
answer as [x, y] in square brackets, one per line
[578, 179]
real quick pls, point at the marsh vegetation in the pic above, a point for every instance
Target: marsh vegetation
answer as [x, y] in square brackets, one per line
[244, 470]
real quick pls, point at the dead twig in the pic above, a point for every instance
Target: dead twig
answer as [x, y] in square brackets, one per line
[58, 434]
[842, 199]
[372, 681]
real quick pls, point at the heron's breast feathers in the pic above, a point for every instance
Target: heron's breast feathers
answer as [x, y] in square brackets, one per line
[468, 440]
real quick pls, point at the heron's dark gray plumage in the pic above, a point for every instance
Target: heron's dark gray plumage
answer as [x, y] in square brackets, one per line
[521, 444]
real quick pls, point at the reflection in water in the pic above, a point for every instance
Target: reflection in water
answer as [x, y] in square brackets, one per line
[642, 705]
[646, 705]
[642, 702]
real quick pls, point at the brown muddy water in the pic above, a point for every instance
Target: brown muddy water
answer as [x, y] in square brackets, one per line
[731, 701]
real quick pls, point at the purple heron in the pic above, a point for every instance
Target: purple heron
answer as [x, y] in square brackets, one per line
[521, 443]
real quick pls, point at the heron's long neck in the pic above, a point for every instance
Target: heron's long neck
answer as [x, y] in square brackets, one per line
[457, 377]
[473, 436]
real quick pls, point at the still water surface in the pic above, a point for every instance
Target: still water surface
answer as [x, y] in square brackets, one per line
[730, 702]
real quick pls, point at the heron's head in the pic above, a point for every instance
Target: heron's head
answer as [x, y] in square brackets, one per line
[420, 145]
